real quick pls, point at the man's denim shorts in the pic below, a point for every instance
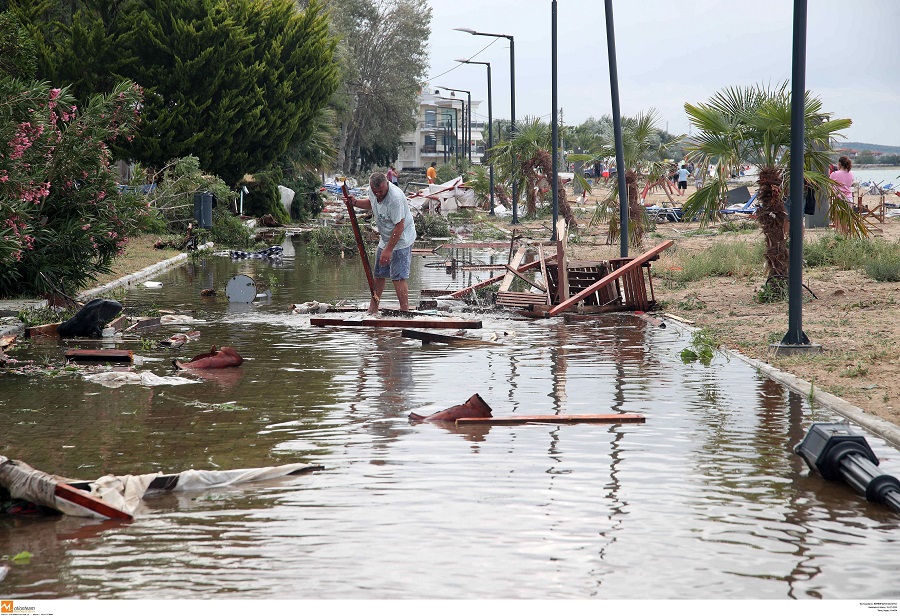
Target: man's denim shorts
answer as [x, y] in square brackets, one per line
[398, 268]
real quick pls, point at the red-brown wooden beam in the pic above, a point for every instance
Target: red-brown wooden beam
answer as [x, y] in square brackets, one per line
[615, 275]
[553, 419]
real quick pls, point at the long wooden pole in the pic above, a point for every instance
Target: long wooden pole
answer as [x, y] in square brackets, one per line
[359, 243]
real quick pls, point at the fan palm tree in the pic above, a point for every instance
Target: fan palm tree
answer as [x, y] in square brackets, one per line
[645, 147]
[526, 160]
[741, 125]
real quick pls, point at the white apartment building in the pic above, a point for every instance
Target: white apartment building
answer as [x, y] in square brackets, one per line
[438, 136]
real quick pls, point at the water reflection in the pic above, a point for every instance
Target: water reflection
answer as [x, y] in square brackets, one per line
[706, 498]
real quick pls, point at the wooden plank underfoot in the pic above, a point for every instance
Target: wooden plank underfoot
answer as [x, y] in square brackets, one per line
[376, 322]
[553, 419]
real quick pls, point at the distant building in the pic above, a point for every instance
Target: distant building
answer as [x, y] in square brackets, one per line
[438, 136]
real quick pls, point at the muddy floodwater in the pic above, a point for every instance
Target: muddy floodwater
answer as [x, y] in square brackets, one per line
[706, 500]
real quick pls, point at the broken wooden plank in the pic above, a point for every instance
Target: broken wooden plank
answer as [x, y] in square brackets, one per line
[677, 318]
[118, 323]
[553, 419]
[635, 263]
[651, 320]
[43, 330]
[147, 323]
[534, 284]
[562, 263]
[495, 279]
[546, 280]
[514, 299]
[413, 322]
[118, 356]
[514, 263]
[430, 337]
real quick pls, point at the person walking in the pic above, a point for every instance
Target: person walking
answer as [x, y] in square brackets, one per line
[682, 180]
[396, 231]
[392, 175]
[432, 173]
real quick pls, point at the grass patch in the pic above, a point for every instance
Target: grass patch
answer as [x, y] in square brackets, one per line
[735, 259]
[878, 258]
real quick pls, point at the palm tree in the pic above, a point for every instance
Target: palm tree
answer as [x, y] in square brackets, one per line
[527, 160]
[741, 125]
[645, 147]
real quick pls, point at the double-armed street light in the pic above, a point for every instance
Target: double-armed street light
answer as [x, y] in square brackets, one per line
[512, 99]
[490, 124]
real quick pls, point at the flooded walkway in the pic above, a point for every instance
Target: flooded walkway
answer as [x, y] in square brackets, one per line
[706, 500]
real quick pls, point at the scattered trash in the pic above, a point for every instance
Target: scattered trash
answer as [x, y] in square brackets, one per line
[152, 284]
[175, 319]
[240, 289]
[91, 319]
[497, 335]
[226, 357]
[178, 340]
[208, 293]
[119, 497]
[473, 407]
[117, 379]
[272, 253]
[312, 307]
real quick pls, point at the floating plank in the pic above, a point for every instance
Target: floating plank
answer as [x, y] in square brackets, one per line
[42, 330]
[634, 264]
[651, 320]
[429, 337]
[89, 502]
[118, 356]
[546, 280]
[472, 245]
[413, 322]
[434, 292]
[148, 323]
[554, 419]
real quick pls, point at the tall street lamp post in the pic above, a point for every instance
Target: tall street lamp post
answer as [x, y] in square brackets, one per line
[512, 101]
[490, 124]
[467, 119]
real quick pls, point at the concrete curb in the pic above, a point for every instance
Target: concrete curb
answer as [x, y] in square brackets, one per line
[130, 280]
[883, 428]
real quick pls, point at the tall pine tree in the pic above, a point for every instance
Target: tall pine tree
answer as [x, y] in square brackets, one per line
[233, 82]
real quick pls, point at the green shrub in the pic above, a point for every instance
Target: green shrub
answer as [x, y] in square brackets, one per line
[886, 269]
[62, 217]
[333, 241]
[431, 225]
[228, 231]
[173, 198]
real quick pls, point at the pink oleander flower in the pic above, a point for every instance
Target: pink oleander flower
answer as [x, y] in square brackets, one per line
[54, 93]
[86, 227]
[4, 175]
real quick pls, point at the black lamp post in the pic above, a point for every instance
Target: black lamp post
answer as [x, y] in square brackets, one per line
[490, 124]
[456, 126]
[512, 101]
[467, 119]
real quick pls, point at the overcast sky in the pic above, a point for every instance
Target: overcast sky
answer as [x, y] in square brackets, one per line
[670, 53]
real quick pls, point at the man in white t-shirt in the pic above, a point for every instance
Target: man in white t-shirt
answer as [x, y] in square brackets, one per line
[397, 231]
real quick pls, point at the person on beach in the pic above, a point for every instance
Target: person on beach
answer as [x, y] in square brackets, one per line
[392, 175]
[844, 178]
[397, 232]
[432, 173]
[682, 180]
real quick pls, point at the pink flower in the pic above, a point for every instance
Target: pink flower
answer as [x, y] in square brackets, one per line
[86, 227]
[54, 93]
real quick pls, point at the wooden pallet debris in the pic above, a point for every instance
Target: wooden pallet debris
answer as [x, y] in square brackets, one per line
[112, 356]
